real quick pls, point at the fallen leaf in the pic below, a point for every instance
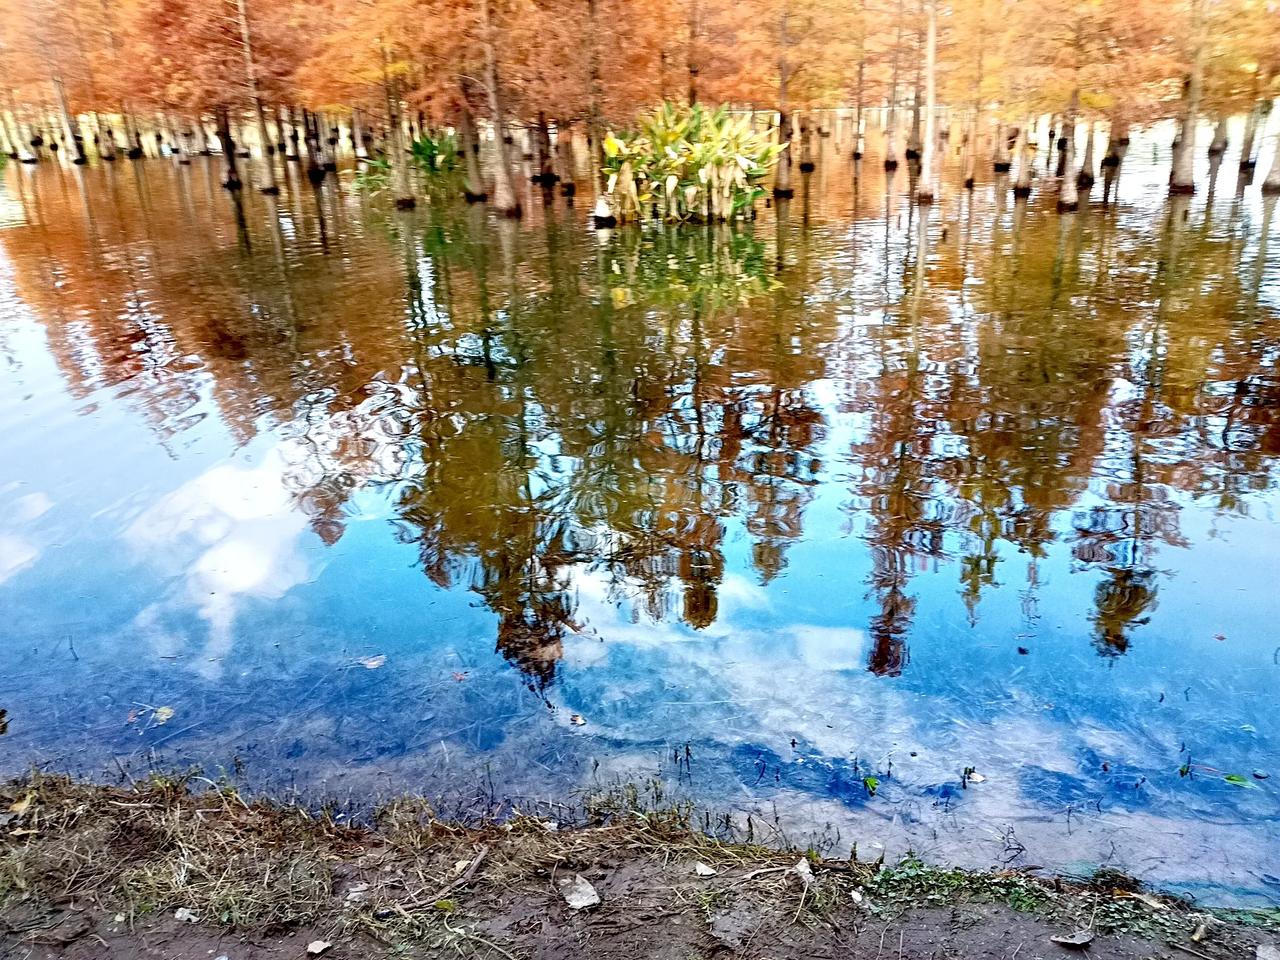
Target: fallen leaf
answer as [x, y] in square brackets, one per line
[577, 720]
[21, 806]
[1238, 781]
[703, 869]
[317, 947]
[133, 716]
[163, 715]
[459, 675]
[372, 663]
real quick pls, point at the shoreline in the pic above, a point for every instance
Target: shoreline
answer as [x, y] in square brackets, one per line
[160, 870]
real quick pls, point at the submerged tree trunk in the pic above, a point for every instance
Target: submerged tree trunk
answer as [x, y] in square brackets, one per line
[1247, 161]
[1271, 185]
[1085, 178]
[1022, 188]
[1218, 145]
[472, 184]
[69, 121]
[399, 160]
[782, 175]
[504, 194]
[1000, 161]
[251, 75]
[891, 133]
[228, 145]
[857, 118]
[1182, 177]
[924, 193]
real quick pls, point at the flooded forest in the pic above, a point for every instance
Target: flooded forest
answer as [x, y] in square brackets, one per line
[856, 425]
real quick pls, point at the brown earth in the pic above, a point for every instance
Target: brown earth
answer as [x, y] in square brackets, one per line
[95, 872]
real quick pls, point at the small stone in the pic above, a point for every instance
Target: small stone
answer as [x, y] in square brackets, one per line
[317, 947]
[704, 870]
[185, 915]
[578, 893]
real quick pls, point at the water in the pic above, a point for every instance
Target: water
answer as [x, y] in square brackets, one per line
[755, 514]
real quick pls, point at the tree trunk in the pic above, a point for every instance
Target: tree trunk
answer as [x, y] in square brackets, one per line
[1247, 161]
[472, 184]
[1068, 192]
[1218, 145]
[228, 145]
[595, 118]
[1271, 185]
[1022, 188]
[691, 53]
[1000, 161]
[924, 193]
[564, 157]
[913, 139]
[546, 174]
[891, 133]
[1085, 179]
[504, 195]
[782, 174]
[251, 75]
[404, 198]
[857, 121]
[70, 122]
[1182, 178]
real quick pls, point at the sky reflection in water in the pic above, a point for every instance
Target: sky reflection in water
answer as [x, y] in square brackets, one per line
[828, 497]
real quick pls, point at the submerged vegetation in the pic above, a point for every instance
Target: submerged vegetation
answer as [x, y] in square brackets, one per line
[687, 163]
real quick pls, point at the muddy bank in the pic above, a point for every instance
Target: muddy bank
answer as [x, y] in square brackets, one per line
[161, 871]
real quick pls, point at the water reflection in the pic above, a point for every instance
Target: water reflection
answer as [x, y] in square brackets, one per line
[855, 480]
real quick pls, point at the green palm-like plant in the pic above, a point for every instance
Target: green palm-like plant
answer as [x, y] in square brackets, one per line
[687, 163]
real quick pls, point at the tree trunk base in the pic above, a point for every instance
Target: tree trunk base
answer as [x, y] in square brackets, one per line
[1068, 207]
[30, 160]
[603, 223]
[406, 203]
[1002, 166]
[232, 185]
[243, 154]
[968, 183]
[1084, 181]
[135, 153]
[1248, 164]
[912, 153]
[292, 157]
[79, 161]
[183, 162]
[568, 188]
[1182, 189]
[1022, 191]
[891, 164]
[545, 179]
[1111, 160]
[857, 154]
[924, 198]
[1271, 189]
[513, 213]
[110, 159]
[316, 175]
[270, 191]
[330, 166]
[472, 197]
[807, 166]
[783, 193]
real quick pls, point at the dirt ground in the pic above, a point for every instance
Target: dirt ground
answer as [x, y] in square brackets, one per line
[159, 872]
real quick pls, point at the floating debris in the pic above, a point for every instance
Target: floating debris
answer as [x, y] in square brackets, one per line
[578, 893]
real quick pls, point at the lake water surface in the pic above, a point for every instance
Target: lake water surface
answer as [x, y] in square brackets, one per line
[796, 520]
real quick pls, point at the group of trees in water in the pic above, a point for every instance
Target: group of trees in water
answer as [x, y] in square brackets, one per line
[309, 79]
[683, 409]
